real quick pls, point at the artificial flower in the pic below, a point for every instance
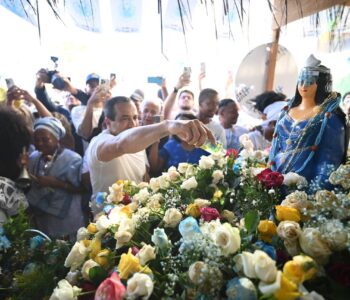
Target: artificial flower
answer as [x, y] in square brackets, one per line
[82, 234]
[189, 184]
[65, 291]
[241, 288]
[188, 227]
[76, 256]
[128, 265]
[92, 228]
[287, 291]
[334, 233]
[206, 162]
[146, 253]
[299, 269]
[111, 289]
[159, 238]
[172, 217]
[139, 286]
[209, 213]
[285, 213]
[102, 258]
[197, 272]
[265, 266]
[86, 268]
[270, 179]
[228, 239]
[267, 230]
[193, 210]
[229, 216]
[217, 176]
[202, 202]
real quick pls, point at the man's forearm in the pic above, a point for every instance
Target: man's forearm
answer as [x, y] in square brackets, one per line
[169, 105]
[85, 128]
[132, 141]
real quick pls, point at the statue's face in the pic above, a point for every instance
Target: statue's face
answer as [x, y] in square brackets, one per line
[308, 91]
[307, 77]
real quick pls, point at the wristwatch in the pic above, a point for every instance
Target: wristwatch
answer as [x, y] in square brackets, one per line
[175, 90]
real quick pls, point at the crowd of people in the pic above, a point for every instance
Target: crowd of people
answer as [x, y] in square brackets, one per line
[74, 151]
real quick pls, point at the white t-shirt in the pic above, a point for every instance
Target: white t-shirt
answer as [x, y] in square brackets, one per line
[233, 134]
[218, 131]
[260, 143]
[78, 113]
[104, 174]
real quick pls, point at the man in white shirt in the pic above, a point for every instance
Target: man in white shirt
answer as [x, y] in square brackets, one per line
[118, 152]
[208, 106]
[228, 116]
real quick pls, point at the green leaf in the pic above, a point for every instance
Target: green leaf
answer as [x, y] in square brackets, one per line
[97, 274]
[251, 221]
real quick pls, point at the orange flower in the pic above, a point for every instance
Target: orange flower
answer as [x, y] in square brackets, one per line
[267, 230]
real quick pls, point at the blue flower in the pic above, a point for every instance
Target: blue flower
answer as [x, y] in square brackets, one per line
[100, 198]
[267, 248]
[188, 227]
[159, 238]
[4, 242]
[36, 242]
[241, 289]
[108, 208]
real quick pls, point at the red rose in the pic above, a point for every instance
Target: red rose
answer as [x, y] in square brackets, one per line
[232, 152]
[270, 179]
[126, 199]
[110, 289]
[87, 287]
[340, 272]
[209, 213]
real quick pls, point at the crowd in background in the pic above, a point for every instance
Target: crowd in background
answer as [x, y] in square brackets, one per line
[74, 150]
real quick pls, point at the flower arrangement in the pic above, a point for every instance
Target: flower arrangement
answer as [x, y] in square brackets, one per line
[181, 237]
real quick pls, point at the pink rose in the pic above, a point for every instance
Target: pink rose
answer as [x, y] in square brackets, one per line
[209, 213]
[232, 152]
[110, 289]
[135, 250]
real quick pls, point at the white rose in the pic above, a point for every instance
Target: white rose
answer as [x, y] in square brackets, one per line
[197, 272]
[82, 234]
[76, 256]
[172, 217]
[103, 223]
[115, 216]
[270, 288]
[217, 176]
[146, 254]
[126, 224]
[313, 245]
[190, 171]
[189, 184]
[255, 171]
[260, 155]
[202, 202]
[218, 155]
[65, 291]
[206, 162]
[265, 266]
[122, 237]
[86, 268]
[182, 167]
[228, 239]
[312, 296]
[173, 174]
[139, 285]
[297, 200]
[153, 204]
[164, 181]
[141, 196]
[209, 228]
[289, 230]
[245, 263]
[154, 184]
[294, 179]
[246, 142]
[335, 234]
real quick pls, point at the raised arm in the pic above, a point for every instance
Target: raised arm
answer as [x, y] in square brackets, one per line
[170, 100]
[139, 138]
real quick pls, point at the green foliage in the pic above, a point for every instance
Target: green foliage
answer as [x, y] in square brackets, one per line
[251, 221]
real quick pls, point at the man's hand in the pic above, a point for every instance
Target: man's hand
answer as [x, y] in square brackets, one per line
[42, 77]
[100, 94]
[193, 132]
[48, 181]
[183, 81]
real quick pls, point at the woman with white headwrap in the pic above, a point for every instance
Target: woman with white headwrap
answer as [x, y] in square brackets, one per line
[55, 197]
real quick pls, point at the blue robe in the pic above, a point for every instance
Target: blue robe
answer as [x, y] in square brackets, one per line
[310, 147]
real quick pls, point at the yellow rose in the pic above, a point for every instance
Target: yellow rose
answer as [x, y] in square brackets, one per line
[193, 210]
[285, 213]
[92, 228]
[217, 195]
[287, 291]
[128, 265]
[267, 230]
[102, 258]
[86, 242]
[94, 247]
[299, 269]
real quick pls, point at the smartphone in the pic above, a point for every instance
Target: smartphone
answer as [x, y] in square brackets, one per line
[157, 119]
[155, 79]
[202, 67]
[112, 76]
[9, 82]
[104, 81]
[187, 72]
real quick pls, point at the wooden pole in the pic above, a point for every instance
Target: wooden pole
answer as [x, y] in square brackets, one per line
[272, 59]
